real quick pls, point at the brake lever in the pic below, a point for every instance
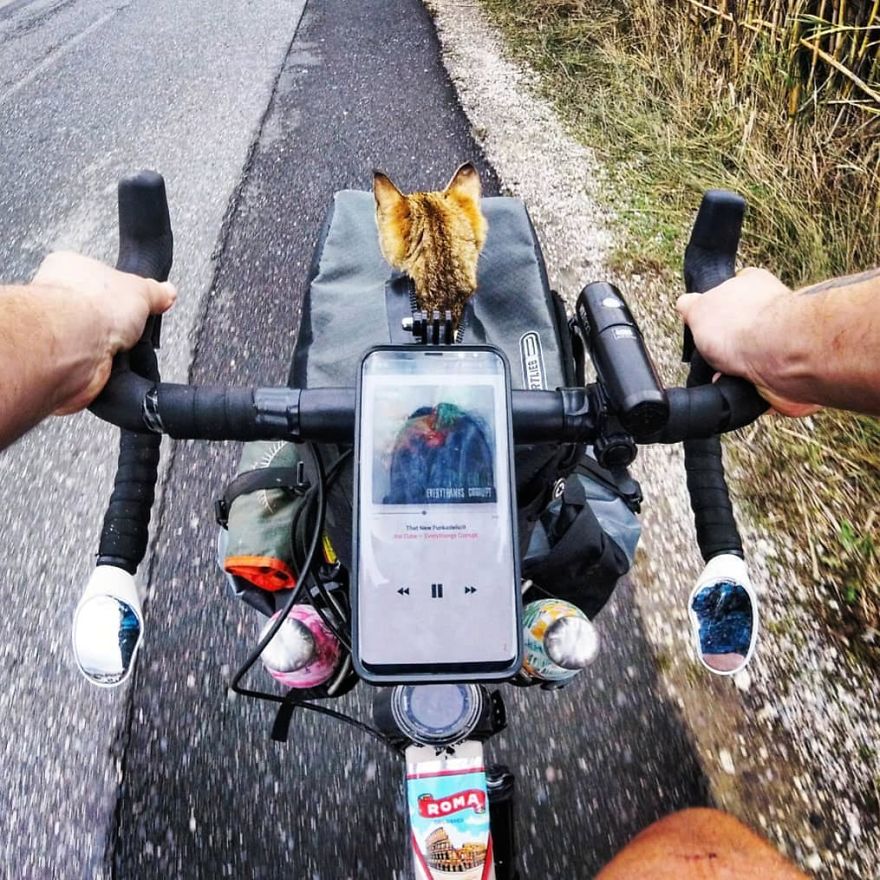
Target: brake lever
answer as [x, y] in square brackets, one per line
[146, 243]
[710, 256]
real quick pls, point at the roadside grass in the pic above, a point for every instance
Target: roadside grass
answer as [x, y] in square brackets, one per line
[654, 92]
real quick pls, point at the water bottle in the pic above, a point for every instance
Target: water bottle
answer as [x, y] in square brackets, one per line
[304, 653]
[559, 641]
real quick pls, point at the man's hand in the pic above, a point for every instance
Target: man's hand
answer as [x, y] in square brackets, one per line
[102, 312]
[730, 325]
[59, 334]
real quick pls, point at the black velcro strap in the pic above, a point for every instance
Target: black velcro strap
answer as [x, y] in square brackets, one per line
[291, 479]
[619, 481]
[281, 726]
[574, 492]
[400, 303]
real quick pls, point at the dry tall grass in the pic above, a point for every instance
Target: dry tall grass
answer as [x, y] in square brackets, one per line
[833, 46]
[779, 100]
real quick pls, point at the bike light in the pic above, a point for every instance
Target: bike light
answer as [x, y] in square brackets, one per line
[618, 351]
[436, 714]
[107, 627]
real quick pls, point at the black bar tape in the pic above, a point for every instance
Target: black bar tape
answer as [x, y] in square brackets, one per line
[710, 501]
[741, 400]
[710, 259]
[122, 401]
[209, 413]
[126, 524]
[693, 412]
[146, 248]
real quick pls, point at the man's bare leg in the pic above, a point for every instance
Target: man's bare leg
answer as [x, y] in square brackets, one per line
[699, 844]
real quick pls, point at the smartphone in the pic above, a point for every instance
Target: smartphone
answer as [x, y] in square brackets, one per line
[436, 576]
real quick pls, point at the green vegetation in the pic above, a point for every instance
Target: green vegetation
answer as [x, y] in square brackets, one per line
[778, 100]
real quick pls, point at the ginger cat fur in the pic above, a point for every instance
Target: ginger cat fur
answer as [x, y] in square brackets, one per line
[434, 237]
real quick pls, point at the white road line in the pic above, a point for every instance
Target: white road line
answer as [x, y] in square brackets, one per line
[9, 7]
[54, 56]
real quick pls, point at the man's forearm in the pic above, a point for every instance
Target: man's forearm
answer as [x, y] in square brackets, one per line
[60, 333]
[822, 345]
[47, 343]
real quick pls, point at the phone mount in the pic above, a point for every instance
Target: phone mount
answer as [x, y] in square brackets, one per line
[435, 330]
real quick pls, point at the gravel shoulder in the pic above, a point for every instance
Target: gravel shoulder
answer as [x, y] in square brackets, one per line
[789, 746]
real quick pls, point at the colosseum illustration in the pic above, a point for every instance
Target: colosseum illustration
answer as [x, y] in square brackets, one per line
[445, 860]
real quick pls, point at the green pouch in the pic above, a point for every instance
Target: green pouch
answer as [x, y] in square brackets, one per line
[258, 510]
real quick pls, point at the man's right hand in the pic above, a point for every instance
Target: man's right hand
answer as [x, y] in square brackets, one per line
[730, 325]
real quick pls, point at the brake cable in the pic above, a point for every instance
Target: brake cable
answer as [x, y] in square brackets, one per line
[339, 632]
[289, 702]
[291, 601]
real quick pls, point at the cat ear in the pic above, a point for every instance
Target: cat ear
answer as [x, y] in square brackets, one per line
[387, 195]
[465, 181]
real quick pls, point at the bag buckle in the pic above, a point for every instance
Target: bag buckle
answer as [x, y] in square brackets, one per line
[287, 479]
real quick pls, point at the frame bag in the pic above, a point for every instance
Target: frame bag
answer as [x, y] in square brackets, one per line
[585, 539]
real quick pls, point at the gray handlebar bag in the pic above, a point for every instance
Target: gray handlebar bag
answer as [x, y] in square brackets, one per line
[345, 311]
[574, 546]
[349, 307]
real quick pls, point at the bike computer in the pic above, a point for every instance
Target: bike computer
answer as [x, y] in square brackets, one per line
[436, 580]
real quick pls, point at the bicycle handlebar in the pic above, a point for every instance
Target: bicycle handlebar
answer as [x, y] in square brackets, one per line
[146, 248]
[710, 259]
[145, 408]
[326, 415]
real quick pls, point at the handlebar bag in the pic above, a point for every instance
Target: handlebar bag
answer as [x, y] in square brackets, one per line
[585, 539]
[575, 545]
[353, 302]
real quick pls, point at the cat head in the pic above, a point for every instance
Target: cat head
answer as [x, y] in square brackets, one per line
[426, 233]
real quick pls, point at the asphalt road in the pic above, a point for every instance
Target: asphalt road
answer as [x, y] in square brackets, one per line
[91, 90]
[182, 781]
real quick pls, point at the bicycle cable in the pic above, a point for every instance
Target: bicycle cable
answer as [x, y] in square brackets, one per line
[291, 601]
[339, 716]
[289, 698]
[324, 481]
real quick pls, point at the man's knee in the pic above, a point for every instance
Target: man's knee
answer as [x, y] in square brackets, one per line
[698, 843]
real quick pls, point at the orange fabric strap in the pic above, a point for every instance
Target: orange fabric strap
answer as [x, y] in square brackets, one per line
[267, 572]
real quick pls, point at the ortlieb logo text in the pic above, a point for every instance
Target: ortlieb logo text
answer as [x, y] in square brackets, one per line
[532, 361]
